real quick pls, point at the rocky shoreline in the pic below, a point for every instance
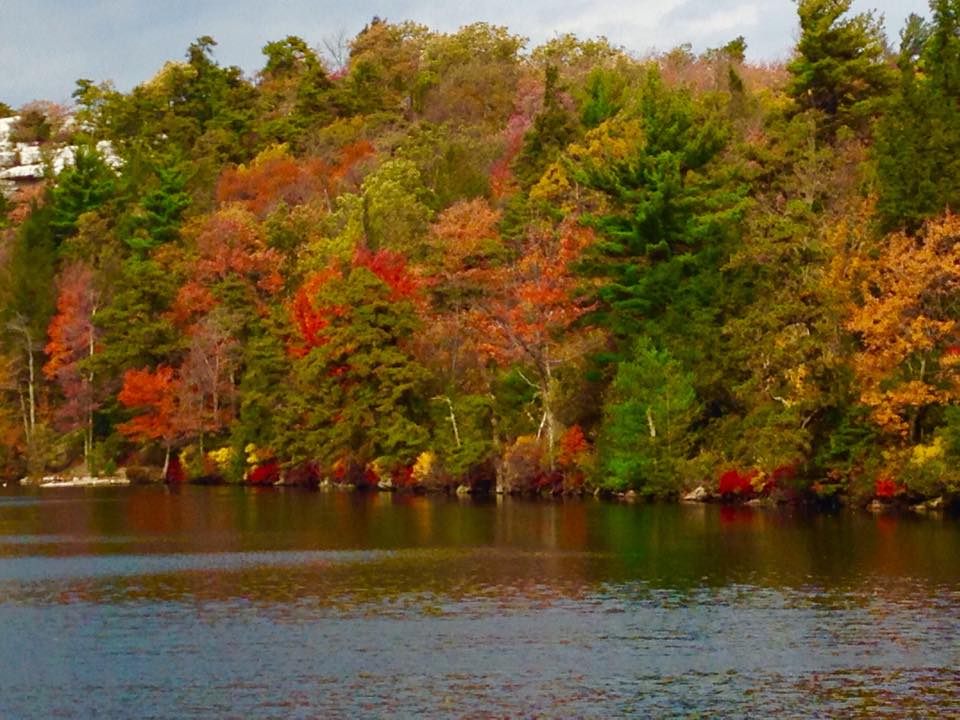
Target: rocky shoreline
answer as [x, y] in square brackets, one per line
[936, 507]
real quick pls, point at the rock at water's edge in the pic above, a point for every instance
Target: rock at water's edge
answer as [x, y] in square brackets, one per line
[698, 494]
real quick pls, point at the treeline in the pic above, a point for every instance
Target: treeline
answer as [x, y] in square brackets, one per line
[455, 261]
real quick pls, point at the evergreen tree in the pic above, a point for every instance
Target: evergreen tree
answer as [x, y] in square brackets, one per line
[840, 67]
[671, 207]
[645, 435]
[554, 128]
[917, 152]
[83, 186]
[357, 395]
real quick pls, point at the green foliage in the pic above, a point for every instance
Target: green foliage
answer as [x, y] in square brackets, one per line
[452, 165]
[553, 129]
[603, 96]
[359, 395]
[840, 68]
[266, 367]
[157, 217]
[392, 287]
[645, 436]
[917, 152]
[82, 187]
[472, 443]
[670, 205]
[137, 333]
[390, 212]
[27, 290]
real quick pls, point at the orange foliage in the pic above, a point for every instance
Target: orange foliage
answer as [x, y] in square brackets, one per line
[154, 393]
[229, 243]
[908, 358]
[536, 304]
[464, 232]
[275, 177]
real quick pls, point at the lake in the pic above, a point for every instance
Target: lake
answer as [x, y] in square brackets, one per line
[194, 602]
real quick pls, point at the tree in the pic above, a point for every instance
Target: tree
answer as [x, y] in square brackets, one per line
[154, 395]
[356, 394]
[917, 151]
[71, 348]
[158, 215]
[208, 374]
[840, 66]
[389, 213]
[648, 413]
[665, 208]
[906, 324]
[553, 129]
[82, 187]
[27, 302]
[228, 263]
[531, 319]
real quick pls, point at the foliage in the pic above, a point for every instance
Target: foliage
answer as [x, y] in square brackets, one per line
[447, 260]
[644, 437]
[840, 65]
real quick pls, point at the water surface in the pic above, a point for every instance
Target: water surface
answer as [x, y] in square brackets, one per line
[238, 603]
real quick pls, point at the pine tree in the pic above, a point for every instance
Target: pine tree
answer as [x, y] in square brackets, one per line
[840, 68]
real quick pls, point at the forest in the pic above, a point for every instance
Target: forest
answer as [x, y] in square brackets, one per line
[448, 260]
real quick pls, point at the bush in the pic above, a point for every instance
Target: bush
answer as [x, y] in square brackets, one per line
[523, 465]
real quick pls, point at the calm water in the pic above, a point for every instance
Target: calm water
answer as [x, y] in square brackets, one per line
[233, 603]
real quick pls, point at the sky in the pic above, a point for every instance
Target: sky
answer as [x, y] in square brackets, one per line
[46, 45]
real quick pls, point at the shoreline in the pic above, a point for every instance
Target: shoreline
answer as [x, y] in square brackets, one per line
[938, 507]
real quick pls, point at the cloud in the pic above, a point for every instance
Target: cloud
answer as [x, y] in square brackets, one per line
[45, 45]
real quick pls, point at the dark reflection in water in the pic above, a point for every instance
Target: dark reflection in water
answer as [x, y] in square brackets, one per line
[224, 602]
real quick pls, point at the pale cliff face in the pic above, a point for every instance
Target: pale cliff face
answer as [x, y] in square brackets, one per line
[27, 162]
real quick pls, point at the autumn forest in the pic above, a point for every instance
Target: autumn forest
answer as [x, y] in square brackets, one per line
[450, 260]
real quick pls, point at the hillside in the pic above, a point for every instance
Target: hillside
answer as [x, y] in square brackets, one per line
[461, 262]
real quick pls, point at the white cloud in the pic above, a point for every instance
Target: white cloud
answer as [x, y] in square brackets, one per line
[45, 45]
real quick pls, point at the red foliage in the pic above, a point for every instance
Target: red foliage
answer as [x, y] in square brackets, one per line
[734, 482]
[527, 103]
[887, 488]
[780, 475]
[175, 471]
[266, 474]
[310, 319]
[403, 478]
[391, 268]
[370, 477]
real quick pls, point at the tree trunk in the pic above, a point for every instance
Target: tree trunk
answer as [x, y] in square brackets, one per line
[166, 463]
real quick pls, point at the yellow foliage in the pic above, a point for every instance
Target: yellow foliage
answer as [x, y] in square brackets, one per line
[424, 466]
[554, 186]
[922, 454]
[254, 456]
[221, 457]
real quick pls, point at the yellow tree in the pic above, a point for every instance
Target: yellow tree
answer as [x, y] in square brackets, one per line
[906, 320]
